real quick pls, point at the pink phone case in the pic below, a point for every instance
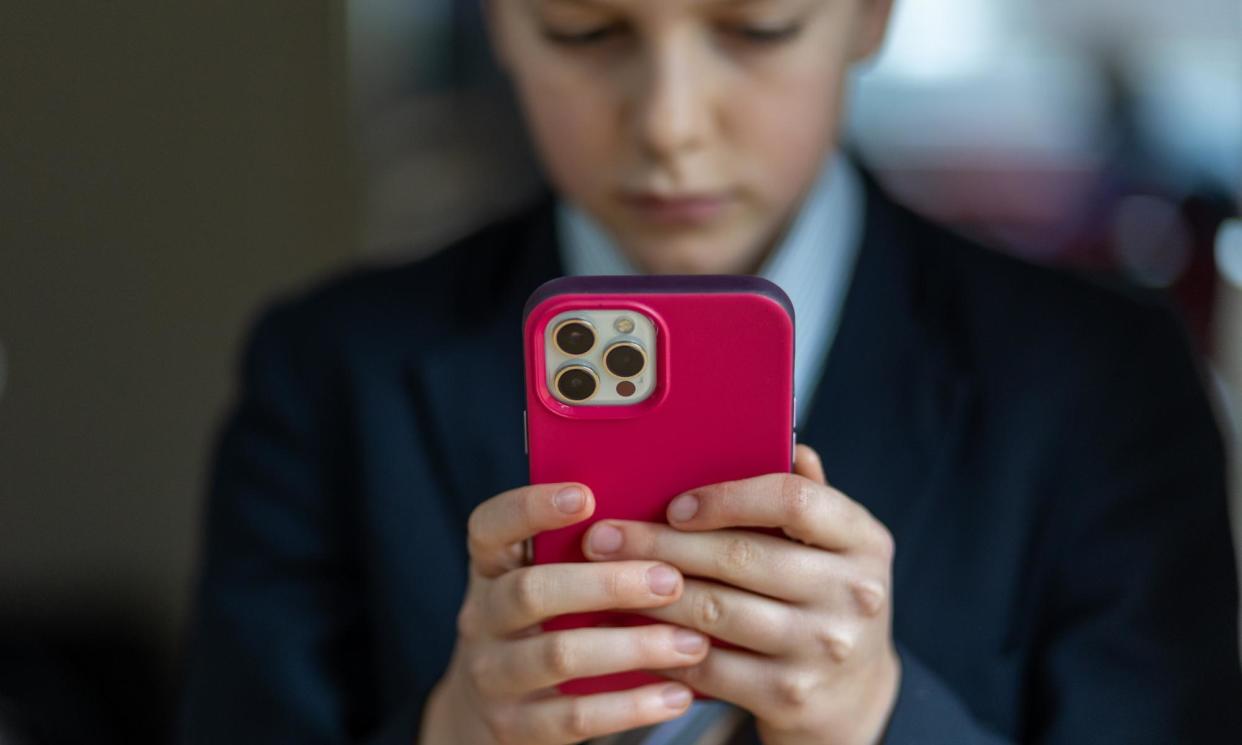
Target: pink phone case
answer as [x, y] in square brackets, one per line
[722, 409]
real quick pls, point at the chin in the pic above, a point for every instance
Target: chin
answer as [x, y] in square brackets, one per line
[701, 255]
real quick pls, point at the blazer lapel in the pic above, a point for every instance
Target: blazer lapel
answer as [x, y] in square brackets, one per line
[468, 388]
[888, 413]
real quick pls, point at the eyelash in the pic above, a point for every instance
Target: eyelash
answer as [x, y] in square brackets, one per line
[586, 38]
[758, 35]
[749, 34]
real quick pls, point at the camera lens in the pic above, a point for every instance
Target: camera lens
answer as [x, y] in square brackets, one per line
[576, 383]
[574, 338]
[625, 359]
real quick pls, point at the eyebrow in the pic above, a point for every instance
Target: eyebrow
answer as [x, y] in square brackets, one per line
[586, 3]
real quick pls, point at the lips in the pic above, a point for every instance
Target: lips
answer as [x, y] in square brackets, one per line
[678, 209]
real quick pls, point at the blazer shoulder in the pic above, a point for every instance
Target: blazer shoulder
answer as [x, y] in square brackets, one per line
[1100, 375]
[1046, 343]
[1018, 307]
[421, 299]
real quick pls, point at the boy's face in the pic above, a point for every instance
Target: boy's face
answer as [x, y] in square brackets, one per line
[690, 129]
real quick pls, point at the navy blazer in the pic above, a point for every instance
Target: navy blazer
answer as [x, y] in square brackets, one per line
[1041, 449]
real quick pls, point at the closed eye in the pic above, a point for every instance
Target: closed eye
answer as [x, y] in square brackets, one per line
[766, 35]
[582, 38]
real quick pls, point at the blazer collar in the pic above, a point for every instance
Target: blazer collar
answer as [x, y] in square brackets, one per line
[886, 416]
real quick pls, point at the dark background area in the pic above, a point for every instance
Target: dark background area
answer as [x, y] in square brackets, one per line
[166, 168]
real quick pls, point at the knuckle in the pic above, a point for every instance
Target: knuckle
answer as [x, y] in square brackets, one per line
[528, 592]
[871, 597]
[738, 554]
[886, 545]
[838, 645]
[577, 721]
[480, 670]
[794, 689]
[498, 724]
[637, 710]
[797, 498]
[615, 582]
[527, 507]
[558, 656]
[467, 621]
[474, 546]
[643, 540]
[780, 622]
[476, 527]
[472, 523]
[707, 610]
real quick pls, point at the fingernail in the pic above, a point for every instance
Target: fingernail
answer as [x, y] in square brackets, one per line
[662, 580]
[675, 697]
[606, 539]
[683, 508]
[569, 500]
[688, 642]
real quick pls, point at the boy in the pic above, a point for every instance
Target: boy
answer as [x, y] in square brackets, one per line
[1023, 537]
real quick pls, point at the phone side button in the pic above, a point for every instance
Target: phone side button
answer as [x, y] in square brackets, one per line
[793, 446]
[525, 434]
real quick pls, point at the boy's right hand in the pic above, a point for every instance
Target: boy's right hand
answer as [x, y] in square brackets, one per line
[500, 688]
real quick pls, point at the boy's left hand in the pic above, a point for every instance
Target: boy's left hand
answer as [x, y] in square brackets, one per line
[811, 612]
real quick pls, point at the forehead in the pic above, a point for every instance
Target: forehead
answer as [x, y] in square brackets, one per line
[652, 7]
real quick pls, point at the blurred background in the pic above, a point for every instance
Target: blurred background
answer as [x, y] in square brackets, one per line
[166, 168]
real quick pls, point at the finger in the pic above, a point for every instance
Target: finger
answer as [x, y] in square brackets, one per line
[765, 564]
[743, 618]
[769, 688]
[807, 511]
[808, 464]
[527, 596]
[498, 526]
[527, 665]
[572, 719]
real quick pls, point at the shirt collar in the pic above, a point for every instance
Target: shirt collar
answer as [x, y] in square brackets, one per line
[813, 262]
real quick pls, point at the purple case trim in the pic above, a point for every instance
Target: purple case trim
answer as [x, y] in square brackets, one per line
[664, 284]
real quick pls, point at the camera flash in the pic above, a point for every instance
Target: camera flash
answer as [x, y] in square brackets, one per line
[624, 325]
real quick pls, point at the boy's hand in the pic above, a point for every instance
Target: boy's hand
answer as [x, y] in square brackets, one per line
[500, 686]
[812, 610]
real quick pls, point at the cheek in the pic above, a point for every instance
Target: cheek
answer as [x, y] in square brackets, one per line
[572, 126]
[787, 128]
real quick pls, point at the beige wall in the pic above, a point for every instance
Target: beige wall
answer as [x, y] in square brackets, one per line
[164, 167]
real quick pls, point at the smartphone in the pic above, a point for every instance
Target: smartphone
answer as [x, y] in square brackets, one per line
[643, 388]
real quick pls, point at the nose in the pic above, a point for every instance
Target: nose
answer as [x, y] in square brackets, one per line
[673, 108]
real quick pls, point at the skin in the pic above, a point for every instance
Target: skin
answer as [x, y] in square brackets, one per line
[811, 612]
[735, 101]
[499, 687]
[635, 105]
